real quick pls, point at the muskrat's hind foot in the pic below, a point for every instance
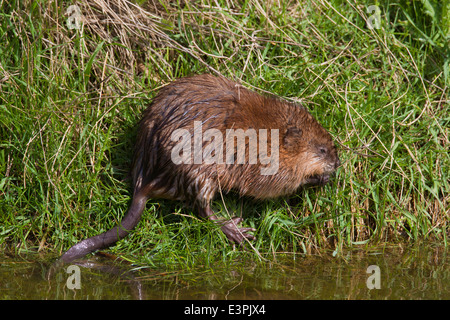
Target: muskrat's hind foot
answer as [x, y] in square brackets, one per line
[229, 228]
[235, 234]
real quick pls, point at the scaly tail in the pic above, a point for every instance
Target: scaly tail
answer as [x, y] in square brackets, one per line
[107, 238]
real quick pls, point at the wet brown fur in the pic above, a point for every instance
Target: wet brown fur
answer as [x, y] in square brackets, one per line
[307, 154]
[222, 104]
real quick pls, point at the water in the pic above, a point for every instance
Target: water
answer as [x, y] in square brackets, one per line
[416, 273]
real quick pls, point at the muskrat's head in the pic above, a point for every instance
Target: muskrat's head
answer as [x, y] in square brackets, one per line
[313, 152]
[326, 162]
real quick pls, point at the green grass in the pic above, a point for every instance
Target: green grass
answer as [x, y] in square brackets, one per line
[70, 99]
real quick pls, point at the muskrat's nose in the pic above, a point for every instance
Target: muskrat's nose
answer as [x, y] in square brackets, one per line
[337, 164]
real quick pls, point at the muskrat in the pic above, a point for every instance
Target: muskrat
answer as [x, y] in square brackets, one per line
[302, 152]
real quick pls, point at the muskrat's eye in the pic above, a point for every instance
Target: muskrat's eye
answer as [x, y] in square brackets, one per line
[323, 150]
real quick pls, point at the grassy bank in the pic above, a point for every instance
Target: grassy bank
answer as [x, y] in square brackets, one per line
[70, 96]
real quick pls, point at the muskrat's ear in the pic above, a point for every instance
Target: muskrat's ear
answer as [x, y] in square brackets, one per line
[292, 136]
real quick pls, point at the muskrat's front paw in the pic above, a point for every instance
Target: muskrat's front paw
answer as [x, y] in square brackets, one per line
[236, 234]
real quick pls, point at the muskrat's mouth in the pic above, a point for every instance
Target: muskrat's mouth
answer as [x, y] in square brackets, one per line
[318, 180]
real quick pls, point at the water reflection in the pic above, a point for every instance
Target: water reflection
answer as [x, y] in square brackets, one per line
[415, 273]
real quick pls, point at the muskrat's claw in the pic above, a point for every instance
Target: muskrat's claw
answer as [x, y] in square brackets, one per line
[235, 234]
